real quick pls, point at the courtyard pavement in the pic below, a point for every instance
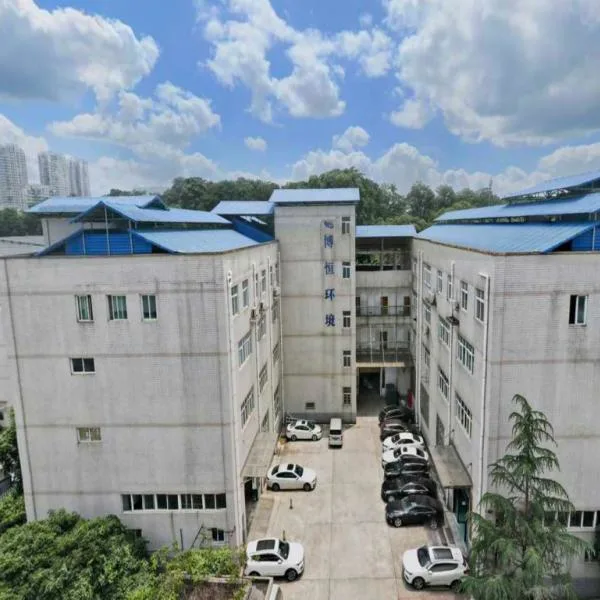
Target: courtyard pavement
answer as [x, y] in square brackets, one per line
[350, 551]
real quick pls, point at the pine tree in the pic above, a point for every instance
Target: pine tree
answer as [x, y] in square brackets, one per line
[521, 548]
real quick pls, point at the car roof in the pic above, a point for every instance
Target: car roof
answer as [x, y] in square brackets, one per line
[266, 544]
[422, 499]
[445, 553]
[408, 479]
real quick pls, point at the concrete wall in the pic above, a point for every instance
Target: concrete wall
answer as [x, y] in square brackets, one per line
[312, 352]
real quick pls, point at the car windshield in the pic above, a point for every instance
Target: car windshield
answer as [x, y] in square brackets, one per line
[395, 438]
[311, 424]
[284, 549]
[274, 470]
[397, 452]
[423, 556]
[298, 470]
[419, 452]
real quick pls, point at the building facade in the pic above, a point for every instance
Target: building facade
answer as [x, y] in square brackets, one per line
[79, 179]
[54, 173]
[13, 177]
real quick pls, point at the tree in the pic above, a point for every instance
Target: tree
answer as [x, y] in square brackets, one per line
[9, 452]
[13, 222]
[522, 549]
[12, 510]
[421, 201]
[135, 192]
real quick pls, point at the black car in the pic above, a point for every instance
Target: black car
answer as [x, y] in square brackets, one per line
[396, 412]
[399, 487]
[406, 466]
[415, 510]
[393, 426]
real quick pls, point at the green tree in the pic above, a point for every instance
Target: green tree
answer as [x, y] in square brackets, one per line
[522, 550]
[135, 192]
[421, 201]
[9, 452]
[12, 510]
[14, 222]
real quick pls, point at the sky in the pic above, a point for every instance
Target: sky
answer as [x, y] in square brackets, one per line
[461, 92]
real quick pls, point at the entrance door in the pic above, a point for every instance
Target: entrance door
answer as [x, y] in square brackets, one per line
[384, 304]
[406, 311]
[440, 433]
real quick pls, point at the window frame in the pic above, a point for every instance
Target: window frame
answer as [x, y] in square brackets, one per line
[245, 349]
[443, 384]
[574, 307]
[310, 406]
[113, 310]
[143, 298]
[346, 270]
[245, 294]
[480, 305]
[234, 299]
[247, 407]
[346, 319]
[261, 326]
[464, 295]
[444, 331]
[463, 414]
[83, 360]
[276, 353]
[263, 378]
[347, 358]
[465, 354]
[440, 282]
[427, 275]
[277, 403]
[90, 435]
[78, 306]
[450, 287]
[263, 281]
[346, 395]
[346, 225]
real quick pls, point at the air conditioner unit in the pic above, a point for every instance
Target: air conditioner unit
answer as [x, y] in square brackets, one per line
[276, 291]
[253, 314]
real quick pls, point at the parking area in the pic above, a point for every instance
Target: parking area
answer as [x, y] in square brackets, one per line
[351, 553]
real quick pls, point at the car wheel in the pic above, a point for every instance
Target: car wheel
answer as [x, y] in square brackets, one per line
[397, 522]
[455, 586]
[254, 574]
[314, 438]
[433, 524]
[418, 583]
[275, 487]
[291, 575]
[294, 438]
[307, 487]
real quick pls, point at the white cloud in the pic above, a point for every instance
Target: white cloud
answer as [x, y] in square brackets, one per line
[570, 160]
[372, 49]
[506, 71]
[32, 145]
[52, 55]
[366, 20]
[256, 143]
[353, 137]
[414, 114]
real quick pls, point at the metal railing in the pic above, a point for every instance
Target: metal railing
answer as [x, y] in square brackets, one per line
[383, 311]
[374, 267]
[387, 352]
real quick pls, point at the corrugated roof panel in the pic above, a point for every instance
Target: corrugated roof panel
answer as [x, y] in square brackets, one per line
[558, 183]
[315, 196]
[244, 208]
[200, 241]
[75, 205]
[589, 203]
[381, 231]
[506, 239]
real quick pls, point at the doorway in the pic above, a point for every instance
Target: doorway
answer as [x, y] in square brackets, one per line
[440, 432]
[368, 401]
[461, 507]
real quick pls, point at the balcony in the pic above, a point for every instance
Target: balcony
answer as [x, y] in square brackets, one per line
[383, 311]
[390, 353]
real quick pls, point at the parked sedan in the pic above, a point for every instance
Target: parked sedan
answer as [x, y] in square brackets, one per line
[406, 466]
[393, 411]
[434, 565]
[394, 455]
[415, 510]
[404, 438]
[291, 477]
[394, 426]
[400, 487]
[304, 430]
[270, 557]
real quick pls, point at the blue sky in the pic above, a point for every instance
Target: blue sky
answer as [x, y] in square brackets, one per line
[442, 91]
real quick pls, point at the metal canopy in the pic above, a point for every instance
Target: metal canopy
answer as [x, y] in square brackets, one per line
[261, 454]
[449, 467]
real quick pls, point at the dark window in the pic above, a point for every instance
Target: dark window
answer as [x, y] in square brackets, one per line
[221, 501]
[563, 518]
[186, 501]
[209, 501]
[575, 520]
[173, 501]
[197, 501]
[83, 365]
[148, 501]
[218, 535]
[137, 502]
[588, 518]
[161, 501]
[577, 310]
[307, 406]
[126, 500]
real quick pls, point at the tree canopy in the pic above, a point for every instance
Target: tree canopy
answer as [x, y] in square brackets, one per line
[9, 452]
[14, 222]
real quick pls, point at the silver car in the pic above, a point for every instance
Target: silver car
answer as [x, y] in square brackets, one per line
[291, 477]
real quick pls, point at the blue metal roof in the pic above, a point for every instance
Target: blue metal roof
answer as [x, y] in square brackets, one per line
[75, 205]
[244, 207]
[383, 231]
[558, 183]
[506, 239]
[148, 215]
[590, 203]
[200, 241]
[315, 196]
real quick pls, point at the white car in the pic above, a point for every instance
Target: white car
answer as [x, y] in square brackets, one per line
[304, 430]
[291, 477]
[393, 455]
[270, 557]
[434, 565]
[404, 438]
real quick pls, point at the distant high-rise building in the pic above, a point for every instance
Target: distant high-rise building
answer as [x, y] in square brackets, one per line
[13, 177]
[54, 172]
[79, 180]
[36, 192]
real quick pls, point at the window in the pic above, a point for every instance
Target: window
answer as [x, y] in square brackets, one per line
[464, 295]
[89, 434]
[427, 275]
[347, 358]
[463, 415]
[440, 282]
[276, 353]
[275, 310]
[263, 377]
[149, 307]
[218, 535]
[277, 403]
[427, 313]
[271, 275]
[309, 406]
[346, 319]
[277, 273]
[578, 310]
[444, 331]
[117, 308]
[191, 501]
[345, 225]
[384, 305]
[426, 357]
[347, 395]
[247, 406]
[479, 305]
[256, 288]
[443, 384]
[466, 354]
[245, 348]
[235, 301]
[82, 365]
[245, 294]
[449, 289]
[263, 281]
[261, 328]
[346, 270]
[84, 308]
[414, 266]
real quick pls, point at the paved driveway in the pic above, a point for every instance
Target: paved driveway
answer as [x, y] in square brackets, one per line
[351, 553]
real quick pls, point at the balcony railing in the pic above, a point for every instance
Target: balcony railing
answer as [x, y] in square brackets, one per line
[385, 352]
[383, 311]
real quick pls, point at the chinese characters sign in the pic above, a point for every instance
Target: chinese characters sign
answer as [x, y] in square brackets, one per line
[329, 270]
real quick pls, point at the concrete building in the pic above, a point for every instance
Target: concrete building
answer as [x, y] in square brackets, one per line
[54, 172]
[36, 192]
[79, 179]
[13, 177]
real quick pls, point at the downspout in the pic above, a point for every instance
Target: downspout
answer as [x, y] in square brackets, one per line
[25, 468]
[281, 383]
[452, 358]
[419, 339]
